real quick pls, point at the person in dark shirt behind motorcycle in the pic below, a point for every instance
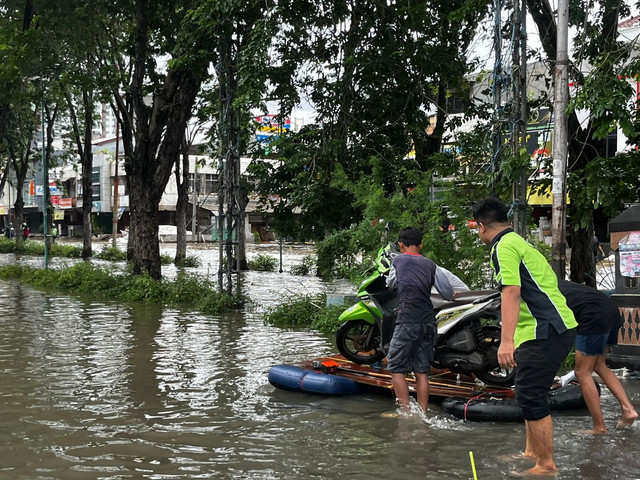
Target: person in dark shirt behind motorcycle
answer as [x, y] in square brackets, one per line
[414, 335]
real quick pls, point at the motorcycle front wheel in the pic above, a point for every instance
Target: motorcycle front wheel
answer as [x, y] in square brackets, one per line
[359, 341]
[500, 377]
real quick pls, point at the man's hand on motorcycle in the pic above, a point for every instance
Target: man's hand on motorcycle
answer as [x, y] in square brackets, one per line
[506, 355]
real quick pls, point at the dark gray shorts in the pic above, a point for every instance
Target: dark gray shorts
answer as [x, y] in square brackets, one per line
[538, 363]
[411, 348]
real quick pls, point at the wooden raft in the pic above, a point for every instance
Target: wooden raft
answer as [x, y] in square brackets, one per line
[442, 383]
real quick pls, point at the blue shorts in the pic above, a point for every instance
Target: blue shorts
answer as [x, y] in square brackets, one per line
[411, 348]
[595, 344]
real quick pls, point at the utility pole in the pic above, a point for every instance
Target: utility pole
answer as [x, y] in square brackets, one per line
[45, 185]
[519, 113]
[194, 216]
[497, 87]
[560, 148]
[116, 204]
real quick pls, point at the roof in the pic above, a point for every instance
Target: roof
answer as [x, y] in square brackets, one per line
[630, 23]
[626, 221]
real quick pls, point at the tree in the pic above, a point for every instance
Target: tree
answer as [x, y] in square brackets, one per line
[156, 107]
[22, 123]
[375, 73]
[604, 91]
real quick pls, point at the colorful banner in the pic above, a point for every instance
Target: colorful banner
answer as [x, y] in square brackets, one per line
[270, 123]
[65, 203]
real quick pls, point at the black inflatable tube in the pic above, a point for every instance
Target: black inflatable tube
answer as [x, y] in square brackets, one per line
[482, 409]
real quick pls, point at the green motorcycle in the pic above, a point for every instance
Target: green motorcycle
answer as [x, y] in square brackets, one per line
[468, 327]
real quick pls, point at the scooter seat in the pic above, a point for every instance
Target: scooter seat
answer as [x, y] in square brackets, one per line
[461, 298]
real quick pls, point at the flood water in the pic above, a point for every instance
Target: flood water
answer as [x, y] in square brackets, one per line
[102, 390]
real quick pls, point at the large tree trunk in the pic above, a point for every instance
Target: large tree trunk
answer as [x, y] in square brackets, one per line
[83, 145]
[144, 240]
[20, 167]
[20, 163]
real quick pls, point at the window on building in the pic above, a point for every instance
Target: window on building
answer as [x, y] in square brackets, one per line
[210, 183]
[95, 184]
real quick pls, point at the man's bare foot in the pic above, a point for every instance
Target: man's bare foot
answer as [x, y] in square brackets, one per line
[536, 472]
[517, 456]
[627, 419]
[592, 432]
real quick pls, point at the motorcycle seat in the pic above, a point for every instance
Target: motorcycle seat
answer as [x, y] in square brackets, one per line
[461, 298]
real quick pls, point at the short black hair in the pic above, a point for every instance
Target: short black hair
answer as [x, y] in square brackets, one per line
[410, 236]
[490, 210]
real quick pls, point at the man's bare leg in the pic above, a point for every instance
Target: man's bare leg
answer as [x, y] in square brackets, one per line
[584, 368]
[541, 432]
[401, 389]
[629, 414]
[422, 386]
[529, 447]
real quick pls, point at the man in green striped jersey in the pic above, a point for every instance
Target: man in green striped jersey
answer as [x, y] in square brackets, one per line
[538, 329]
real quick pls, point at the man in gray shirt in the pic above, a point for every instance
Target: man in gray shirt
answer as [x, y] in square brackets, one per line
[415, 331]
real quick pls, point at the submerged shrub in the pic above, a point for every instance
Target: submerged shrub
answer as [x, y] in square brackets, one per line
[89, 279]
[306, 312]
[217, 302]
[304, 268]
[111, 253]
[263, 263]
[328, 319]
[190, 261]
[297, 313]
[36, 248]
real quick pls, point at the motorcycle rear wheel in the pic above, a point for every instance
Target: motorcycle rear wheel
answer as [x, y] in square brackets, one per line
[351, 340]
[499, 377]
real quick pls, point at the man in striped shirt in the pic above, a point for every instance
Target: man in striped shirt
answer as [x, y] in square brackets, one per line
[538, 329]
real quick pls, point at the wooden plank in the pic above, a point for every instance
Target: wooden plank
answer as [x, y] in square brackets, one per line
[442, 383]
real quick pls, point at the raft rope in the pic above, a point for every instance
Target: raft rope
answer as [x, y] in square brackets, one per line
[466, 405]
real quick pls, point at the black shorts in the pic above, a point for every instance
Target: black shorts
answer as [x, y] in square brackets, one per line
[538, 363]
[411, 348]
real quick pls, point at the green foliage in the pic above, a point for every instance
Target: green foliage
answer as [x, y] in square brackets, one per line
[32, 247]
[263, 263]
[111, 253]
[256, 237]
[370, 92]
[304, 268]
[328, 319]
[337, 252]
[84, 278]
[166, 259]
[306, 312]
[570, 361]
[190, 261]
[541, 246]
[215, 303]
[300, 312]
[385, 215]
[66, 251]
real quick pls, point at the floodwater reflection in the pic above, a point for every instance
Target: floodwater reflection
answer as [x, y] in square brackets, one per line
[97, 389]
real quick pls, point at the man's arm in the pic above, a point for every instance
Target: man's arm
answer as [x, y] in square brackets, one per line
[442, 284]
[510, 310]
[391, 278]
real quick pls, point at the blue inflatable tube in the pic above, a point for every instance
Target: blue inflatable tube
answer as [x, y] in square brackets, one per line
[296, 379]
